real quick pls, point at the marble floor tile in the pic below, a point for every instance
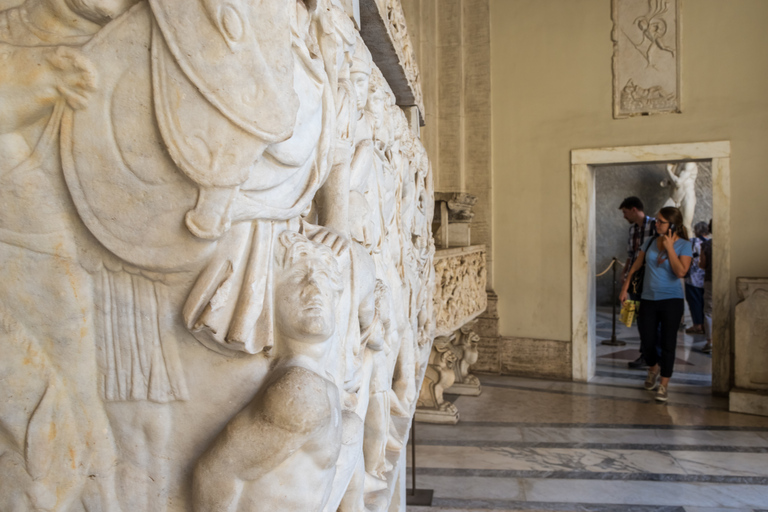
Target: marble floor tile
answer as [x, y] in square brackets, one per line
[536, 445]
[549, 459]
[647, 493]
[717, 509]
[506, 489]
[735, 464]
[635, 436]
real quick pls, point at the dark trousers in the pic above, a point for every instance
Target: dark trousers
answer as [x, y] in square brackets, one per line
[660, 316]
[695, 298]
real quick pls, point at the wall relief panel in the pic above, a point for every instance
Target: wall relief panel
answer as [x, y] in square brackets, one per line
[217, 259]
[646, 57]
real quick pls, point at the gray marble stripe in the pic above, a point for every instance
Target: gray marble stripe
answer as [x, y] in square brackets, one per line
[639, 426]
[548, 506]
[593, 446]
[602, 397]
[588, 475]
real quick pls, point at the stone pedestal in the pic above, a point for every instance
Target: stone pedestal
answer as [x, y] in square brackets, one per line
[487, 327]
[751, 350]
[448, 416]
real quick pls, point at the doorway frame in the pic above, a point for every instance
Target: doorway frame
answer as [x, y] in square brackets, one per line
[583, 242]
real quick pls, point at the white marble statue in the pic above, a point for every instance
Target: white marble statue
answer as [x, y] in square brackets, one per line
[216, 258]
[682, 178]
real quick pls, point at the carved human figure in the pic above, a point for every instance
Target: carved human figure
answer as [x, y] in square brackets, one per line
[58, 449]
[158, 162]
[683, 195]
[279, 453]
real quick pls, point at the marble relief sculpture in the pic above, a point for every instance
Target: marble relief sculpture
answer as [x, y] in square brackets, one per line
[217, 259]
[646, 57]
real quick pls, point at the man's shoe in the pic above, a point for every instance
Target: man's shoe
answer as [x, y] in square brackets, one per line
[638, 363]
[651, 380]
[707, 349]
[661, 394]
[696, 329]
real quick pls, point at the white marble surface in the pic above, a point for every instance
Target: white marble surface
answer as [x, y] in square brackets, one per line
[216, 254]
[571, 446]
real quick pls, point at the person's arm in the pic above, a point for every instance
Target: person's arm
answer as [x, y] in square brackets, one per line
[635, 267]
[625, 272]
[679, 264]
[35, 78]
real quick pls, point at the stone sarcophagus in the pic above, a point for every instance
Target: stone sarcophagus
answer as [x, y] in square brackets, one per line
[216, 258]
[459, 298]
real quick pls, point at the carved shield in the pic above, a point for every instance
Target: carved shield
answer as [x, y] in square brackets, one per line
[126, 188]
[238, 54]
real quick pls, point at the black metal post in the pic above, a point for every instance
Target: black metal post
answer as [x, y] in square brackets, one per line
[613, 341]
[414, 496]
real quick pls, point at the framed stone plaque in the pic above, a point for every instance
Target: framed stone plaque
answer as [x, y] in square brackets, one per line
[646, 57]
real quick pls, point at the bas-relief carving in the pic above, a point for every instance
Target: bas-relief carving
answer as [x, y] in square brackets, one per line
[646, 57]
[751, 334]
[460, 280]
[217, 257]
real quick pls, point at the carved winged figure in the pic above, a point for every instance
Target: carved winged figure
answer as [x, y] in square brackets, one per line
[653, 28]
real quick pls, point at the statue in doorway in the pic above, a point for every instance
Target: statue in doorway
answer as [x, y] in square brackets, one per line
[682, 177]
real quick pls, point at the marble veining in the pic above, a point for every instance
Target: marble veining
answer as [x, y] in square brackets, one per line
[562, 447]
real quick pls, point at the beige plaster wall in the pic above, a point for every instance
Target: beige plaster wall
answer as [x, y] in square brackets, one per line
[551, 93]
[451, 39]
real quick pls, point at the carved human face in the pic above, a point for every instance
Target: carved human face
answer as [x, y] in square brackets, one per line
[360, 82]
[306, 301]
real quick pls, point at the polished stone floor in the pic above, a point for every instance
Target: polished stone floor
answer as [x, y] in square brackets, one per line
[612, 360]
[606, 446]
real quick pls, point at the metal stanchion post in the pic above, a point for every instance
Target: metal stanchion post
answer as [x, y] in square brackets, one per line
[414, 496]
[613, 341]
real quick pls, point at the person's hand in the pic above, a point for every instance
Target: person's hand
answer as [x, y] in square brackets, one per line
[623, 296]
[337, 242]
[74, 76]
[667, 242]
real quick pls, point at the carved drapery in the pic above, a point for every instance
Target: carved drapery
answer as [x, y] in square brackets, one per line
[217, 258]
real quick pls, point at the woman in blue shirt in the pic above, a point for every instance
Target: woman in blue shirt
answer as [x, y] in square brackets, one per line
[667, 258]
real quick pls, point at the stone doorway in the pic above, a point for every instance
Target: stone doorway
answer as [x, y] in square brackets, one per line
[583, 238]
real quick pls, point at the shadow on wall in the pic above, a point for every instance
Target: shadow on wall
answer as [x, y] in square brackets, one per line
[615, 182]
